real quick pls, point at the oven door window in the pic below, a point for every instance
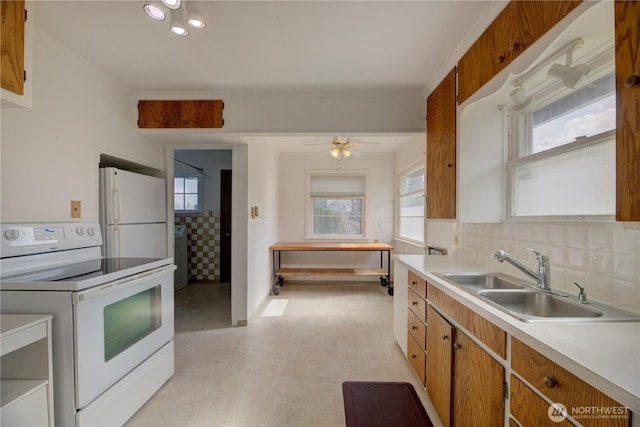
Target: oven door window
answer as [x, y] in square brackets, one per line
[129, 320]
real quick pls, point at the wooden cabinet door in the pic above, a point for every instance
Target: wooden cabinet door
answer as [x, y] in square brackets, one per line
[12, 17]
[441, 149]
[439, 364]
[478, 384]
[160, 114]
[627, 34]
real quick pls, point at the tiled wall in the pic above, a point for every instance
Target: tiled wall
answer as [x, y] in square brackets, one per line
[203, 240]
[604, 257]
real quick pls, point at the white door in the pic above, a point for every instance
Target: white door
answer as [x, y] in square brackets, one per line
[132, 198]
[136, 241]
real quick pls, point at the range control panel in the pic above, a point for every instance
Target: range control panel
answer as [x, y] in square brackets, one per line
[24, 239]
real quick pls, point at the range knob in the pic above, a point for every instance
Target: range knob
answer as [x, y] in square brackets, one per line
[80, 231]
[11, 234]
[91, 231]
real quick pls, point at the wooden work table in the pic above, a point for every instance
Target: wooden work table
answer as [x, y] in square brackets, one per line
[280, 273]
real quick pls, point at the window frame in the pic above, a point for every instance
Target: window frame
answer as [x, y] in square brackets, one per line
[521, 128]
[400, 176]
[199, 194]
[309, 215]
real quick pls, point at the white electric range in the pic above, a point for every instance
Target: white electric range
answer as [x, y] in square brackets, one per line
[112, 317]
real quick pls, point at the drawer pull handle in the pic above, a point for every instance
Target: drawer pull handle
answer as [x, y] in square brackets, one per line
[414, 327]
[445, 337]
[414, 283]
[414, 302]
[550, 382]
[457, 347]
[413, 356]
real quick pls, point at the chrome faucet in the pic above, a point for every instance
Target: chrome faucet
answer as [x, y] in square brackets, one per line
[542, 276]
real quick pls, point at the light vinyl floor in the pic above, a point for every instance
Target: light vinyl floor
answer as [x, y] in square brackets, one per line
[284, 369]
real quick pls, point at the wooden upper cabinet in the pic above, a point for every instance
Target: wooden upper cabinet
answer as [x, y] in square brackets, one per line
[441, 149]
[12, 16]
[180, 114]
[627, 34]
[518, 26]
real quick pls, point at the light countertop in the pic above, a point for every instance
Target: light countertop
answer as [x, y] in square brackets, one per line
[605, 355]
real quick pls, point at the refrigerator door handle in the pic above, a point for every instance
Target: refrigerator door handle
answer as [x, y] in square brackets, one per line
[115, 195]
[117, 240]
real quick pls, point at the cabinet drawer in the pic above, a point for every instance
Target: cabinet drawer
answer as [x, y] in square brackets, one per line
[416, 328]
[417, 305]
[561, 386]
[418, 284]
[416, 357]
[494, 337]
[530, 409]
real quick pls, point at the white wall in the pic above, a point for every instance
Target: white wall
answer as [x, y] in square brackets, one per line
[380, 204]
[50, 153]
[263, 230]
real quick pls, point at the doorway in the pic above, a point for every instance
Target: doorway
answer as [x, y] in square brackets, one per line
[202, 207]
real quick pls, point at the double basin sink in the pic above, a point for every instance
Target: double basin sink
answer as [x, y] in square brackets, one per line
[525, 302]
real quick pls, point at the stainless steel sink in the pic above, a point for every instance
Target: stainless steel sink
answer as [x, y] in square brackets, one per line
[528, 304]
[522, 300]
[480, 281]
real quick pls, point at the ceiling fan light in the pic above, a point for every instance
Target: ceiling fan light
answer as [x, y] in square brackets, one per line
[172, 4]
[196, 22]
[154, 11]
[346, 154]
[335, 153]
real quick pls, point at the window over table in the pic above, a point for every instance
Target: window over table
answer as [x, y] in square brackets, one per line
[411, 205]
[186, 195]
[337, 205]
[563, 162]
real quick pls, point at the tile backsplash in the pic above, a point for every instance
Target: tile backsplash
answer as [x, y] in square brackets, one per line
[604, 258]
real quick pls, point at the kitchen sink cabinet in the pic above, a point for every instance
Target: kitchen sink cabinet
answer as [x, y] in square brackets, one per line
[530, 409]
[173, 114]
[462, 378]
[441, 150]
[16, 43]
[627, 34]
[517, 27]
[559, 386]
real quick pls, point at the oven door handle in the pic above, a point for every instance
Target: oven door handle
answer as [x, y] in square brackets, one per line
[120, 285]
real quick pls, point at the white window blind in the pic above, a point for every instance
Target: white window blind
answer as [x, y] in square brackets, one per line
[337, 185]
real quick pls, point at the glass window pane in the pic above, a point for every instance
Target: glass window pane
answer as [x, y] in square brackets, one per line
[412, 228]
[337, 206]
[412, 182]
[580, 182]
[191, 202]
[178, 185]
[191, 185]
[178, 202]
[412, 205]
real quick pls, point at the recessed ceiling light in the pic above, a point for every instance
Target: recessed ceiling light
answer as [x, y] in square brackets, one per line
[172, 4]
[154, 11]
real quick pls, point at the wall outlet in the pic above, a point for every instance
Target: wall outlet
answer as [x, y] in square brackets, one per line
[76, 209]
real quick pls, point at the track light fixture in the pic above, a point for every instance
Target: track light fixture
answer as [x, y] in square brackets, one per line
[181, 19]
[569, 76]
[520, 99]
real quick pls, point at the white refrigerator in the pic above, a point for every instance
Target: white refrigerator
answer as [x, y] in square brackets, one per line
[133, 214]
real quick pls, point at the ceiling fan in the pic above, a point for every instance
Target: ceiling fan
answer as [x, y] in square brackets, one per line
[341, 147]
